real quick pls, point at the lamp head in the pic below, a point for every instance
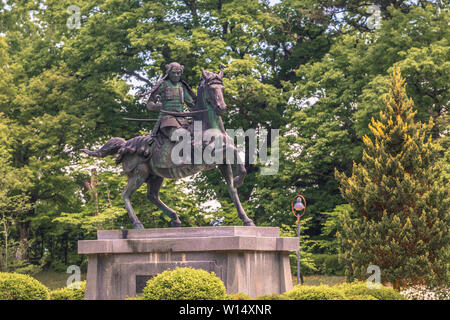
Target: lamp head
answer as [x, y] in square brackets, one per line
[299, 204]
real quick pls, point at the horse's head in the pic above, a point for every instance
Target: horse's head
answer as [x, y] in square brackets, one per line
[212, 86]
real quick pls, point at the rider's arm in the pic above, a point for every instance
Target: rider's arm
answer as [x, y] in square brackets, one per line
[152, 106]
[154, 102]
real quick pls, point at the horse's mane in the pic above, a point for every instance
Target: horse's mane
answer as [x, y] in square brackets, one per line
[211, 78]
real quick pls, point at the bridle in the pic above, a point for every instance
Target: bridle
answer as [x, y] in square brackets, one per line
[209, 82]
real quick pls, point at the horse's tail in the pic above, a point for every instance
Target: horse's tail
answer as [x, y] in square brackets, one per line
[109, 148]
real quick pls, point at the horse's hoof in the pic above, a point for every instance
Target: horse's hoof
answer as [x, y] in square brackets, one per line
[176, 223]
[138, 226]
[249, 223]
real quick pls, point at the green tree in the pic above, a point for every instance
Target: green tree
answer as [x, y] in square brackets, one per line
[400, 198]
[63, 89]
[328, 241]
[331, 104]
[51, 113]
[13, 203]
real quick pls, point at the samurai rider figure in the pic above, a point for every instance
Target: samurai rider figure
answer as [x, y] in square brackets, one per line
[170, 94]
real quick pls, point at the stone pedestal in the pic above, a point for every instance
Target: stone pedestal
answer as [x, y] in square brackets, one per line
[253, 260]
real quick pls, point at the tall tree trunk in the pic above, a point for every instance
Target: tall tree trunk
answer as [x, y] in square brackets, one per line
[397, 285]
[24, 233]
[5, 230]
[92, 186]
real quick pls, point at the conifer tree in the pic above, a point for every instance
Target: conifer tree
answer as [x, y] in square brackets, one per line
[401, 197]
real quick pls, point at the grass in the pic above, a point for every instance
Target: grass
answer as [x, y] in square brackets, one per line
[54, 280]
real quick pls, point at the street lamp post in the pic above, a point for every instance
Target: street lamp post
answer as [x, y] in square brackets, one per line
[298, 209]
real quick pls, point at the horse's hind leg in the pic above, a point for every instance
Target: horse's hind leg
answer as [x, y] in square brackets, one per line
[134, 182]
[153, 185]
[227, 173]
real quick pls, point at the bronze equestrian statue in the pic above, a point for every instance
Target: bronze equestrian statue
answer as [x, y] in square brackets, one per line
[147, 158]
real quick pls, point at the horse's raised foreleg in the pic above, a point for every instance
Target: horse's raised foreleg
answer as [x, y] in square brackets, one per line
[227, 173]
[134, 182]
[153, 185]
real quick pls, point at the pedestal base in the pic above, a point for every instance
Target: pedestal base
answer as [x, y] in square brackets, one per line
[252, 260]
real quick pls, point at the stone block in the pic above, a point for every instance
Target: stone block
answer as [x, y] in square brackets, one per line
[253, 260]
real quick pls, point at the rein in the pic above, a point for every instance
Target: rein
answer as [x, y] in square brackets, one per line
[183, 114]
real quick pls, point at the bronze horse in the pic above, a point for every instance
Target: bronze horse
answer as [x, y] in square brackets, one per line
[141, 163]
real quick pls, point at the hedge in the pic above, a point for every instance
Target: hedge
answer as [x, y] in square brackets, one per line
[238, 296]
[69, 293]
[347, 291]
[273, 296]
[359, 288]
[135, 298]
[192, 284]
[185, 284]
[15, 286]
[322, 292]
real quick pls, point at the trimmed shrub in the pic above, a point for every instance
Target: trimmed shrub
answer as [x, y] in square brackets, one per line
[273, 296]
[135, 298]
[238, 296]
[322, 292]
[361, 297]
[185, 284]
[61, 294]
[359, 288]
[69, 293]
[15, 286]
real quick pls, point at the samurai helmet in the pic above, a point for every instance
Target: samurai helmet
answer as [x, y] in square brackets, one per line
[174, 65]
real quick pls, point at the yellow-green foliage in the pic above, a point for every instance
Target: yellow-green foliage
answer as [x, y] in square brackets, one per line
[185, 284]
[359, 288]
[361, 297]
[69, 293]
[238, 296]
[273, 296]
[15, 286]
[135, 298]
[322, 292]
[401, 197]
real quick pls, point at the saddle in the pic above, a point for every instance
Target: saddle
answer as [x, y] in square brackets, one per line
[161, 153]
[156, 148]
